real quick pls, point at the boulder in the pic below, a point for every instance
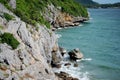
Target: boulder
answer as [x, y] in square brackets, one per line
[75, 65]
[75, 54]
[62, 51]
[65, 76]
[62, 74]
[75, 79]
[69, 78]
[56, 65]
[67, 64]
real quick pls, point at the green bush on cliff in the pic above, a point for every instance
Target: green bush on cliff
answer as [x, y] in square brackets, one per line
[9, 39]
[8, 17]
[5, 2]
[71, 7]
[30, 11]
[1, 27]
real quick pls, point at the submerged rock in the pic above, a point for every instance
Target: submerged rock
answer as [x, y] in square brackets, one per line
[67, 64]
[65, 76]
[75, 65]
[75, 54]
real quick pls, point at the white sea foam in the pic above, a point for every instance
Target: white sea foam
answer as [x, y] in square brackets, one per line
[91, 18]
[85, 76]
[59, 28]
[73, 71]
[58, 35]
[80, 25]
[86, 59]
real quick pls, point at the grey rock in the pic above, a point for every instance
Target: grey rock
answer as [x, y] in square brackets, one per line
[67, 64]
[12, 3]
[75, 54]
[75, 65]
[62, 51]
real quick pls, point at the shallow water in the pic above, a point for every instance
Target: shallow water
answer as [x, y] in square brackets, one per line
[99, 41]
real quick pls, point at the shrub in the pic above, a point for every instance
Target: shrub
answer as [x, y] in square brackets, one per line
[10, 40]
[8, 17]
[71, 7]
[1, 27]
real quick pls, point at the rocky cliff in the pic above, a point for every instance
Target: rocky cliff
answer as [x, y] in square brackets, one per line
[59, 19]
[27, 46]
[32, 58]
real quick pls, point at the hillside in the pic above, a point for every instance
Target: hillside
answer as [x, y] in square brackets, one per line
[88, 3]
[115, 5]
[92, 4]
[33, 11]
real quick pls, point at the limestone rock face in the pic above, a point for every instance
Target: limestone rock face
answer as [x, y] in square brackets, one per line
[32, 58]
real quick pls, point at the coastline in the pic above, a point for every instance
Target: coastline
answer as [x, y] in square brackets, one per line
[62, 69]
[71, 24]
[99, 42]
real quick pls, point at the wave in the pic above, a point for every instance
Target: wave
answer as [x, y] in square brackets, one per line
[85, 76]
[91, 18]
[87, 59]
[80, 25]
[58, 35]
[73, 71]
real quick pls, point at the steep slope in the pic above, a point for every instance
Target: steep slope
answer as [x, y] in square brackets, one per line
[33, 11]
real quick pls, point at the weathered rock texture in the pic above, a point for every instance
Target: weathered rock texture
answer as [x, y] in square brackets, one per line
[31, 60]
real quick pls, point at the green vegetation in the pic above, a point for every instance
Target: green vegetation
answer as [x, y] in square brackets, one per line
[8, 17]
[1, 27]
[92, 4]
[9, 39]
[71, 7]
[31, 11]
[5, 2]
[115, 5]
[89, 3]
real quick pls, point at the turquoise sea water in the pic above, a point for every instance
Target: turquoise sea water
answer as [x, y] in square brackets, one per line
[99, 41]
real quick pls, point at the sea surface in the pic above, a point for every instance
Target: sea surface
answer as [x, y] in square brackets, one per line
[99, 40]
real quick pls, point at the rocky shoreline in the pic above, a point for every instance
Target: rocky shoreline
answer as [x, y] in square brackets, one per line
[74, 55]
[75, 22]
